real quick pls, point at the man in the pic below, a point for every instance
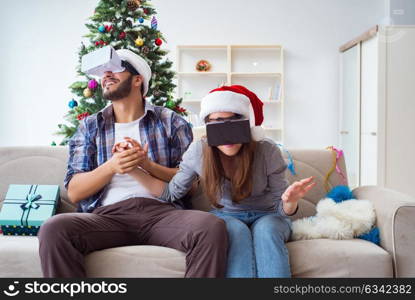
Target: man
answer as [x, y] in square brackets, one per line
[115, 209]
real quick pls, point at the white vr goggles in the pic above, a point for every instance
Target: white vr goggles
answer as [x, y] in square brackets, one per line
[103, 60]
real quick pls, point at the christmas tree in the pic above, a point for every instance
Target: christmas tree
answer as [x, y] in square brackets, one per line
[126, 24]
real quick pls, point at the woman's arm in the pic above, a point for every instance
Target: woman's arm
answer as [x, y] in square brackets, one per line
[180, 184]
[155, 169]
[154, 185]
[277, 183]
[288, 195]
[294, 193]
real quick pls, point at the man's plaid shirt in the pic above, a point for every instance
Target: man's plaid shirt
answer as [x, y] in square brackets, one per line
[167, 134]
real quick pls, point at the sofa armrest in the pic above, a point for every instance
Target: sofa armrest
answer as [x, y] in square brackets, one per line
[395, 217]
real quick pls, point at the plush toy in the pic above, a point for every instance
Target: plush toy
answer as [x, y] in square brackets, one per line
[339, 216]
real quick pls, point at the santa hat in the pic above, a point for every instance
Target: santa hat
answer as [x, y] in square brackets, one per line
[237, 99]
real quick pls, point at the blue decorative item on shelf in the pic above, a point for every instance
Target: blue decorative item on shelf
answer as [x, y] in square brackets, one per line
[26, 207]
[72, 103]
[102, 28]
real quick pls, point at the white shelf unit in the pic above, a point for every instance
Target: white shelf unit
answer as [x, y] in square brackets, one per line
[258, 67]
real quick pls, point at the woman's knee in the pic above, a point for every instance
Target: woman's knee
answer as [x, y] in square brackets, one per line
[236, 227]
[272, 226]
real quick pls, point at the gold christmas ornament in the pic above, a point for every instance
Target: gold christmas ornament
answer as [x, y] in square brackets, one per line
[139, 42]
[87, 93]
[133, 4]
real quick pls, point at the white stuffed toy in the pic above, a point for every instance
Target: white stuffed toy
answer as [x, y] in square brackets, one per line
[336, 220]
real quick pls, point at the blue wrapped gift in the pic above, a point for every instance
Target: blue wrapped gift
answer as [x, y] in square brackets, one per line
[26, 207]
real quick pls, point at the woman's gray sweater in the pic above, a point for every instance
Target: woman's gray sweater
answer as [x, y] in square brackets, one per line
[269, 181]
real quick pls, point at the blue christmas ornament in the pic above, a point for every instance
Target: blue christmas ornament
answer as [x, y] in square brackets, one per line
[72, 103]
[102, 28]
[141, 20]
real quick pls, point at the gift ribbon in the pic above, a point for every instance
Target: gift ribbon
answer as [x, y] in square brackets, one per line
[337, 154]
[31, 198]
[30, 203]
[290, 160]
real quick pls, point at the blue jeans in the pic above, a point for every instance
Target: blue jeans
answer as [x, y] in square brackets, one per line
[257, 244]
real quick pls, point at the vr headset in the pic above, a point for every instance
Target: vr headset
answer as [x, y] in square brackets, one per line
[103, 60]
[228, 132]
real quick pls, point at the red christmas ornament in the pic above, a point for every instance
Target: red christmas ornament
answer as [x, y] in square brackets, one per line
[158, 42]
[100, 43]
[122, 35]
[180, 109]
[108, 28]
[145, 10]
[82, 116]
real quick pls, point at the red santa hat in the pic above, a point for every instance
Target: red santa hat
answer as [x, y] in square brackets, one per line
[237, 99]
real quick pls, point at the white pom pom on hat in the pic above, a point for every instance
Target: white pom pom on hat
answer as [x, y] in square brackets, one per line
[237, 99]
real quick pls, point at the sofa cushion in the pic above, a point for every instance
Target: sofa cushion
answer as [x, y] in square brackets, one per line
[308, 258]
[136, 261]
[35, 165]
[20, 258]
[338, 258]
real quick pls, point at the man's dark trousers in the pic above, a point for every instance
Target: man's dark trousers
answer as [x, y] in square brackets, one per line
[66, 238]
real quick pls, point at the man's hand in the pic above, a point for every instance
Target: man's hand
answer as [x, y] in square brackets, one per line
[142, 152]
[295, 192]
[120, 147]
[125, 162]
[158, 171]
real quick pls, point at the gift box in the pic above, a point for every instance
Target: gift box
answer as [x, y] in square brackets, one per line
[26, 207]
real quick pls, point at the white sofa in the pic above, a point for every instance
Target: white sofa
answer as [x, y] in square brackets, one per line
[311, 258]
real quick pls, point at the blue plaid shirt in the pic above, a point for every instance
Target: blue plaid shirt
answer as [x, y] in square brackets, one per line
[167, 134]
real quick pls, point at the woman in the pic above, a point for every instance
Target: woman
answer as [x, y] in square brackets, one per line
[245, 184]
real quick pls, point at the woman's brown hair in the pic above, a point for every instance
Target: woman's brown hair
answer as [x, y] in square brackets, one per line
[213, 173]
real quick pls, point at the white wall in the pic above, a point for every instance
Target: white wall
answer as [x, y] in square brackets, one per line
[40, 39]
[401, 12]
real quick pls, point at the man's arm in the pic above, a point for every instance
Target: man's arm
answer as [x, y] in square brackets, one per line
[85, 184]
